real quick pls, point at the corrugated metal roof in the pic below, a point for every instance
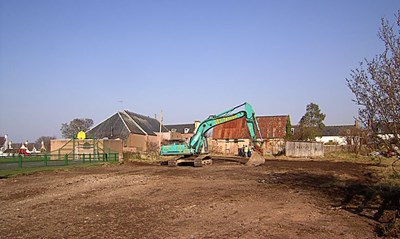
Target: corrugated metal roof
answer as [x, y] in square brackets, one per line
[121, 124]
[146, 123]
[133, 127]
[112, 128]
[236, 129]
[270, 126]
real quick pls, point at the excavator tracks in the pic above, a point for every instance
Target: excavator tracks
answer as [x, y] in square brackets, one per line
[193, 160]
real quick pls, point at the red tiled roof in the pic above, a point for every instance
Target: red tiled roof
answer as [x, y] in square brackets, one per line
[270, 126]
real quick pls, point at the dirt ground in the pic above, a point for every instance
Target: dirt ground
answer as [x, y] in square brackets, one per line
[281, 199]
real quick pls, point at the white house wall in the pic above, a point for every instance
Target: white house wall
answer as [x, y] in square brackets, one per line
[329, 139]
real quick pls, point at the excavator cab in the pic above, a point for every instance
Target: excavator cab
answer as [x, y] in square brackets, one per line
[181, 148]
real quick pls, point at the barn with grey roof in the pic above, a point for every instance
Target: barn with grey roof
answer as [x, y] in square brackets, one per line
[135, 130]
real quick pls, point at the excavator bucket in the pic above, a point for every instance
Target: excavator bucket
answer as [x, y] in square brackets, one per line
[256, 159]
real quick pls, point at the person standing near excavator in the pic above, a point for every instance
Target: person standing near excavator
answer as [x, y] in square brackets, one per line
[246, 151]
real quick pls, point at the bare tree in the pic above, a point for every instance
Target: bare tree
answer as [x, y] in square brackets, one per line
[70, 130]
[355, 138]
[376, 86]
[46, 141]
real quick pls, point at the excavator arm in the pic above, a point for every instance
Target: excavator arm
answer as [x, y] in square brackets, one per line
[198, 140]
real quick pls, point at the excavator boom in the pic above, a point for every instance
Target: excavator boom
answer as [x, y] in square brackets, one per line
[198, 140]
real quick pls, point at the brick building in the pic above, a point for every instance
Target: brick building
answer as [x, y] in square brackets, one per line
[138, 132]
[229, 137]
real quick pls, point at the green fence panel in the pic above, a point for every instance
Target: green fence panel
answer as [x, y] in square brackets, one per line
[46, 160]
[20, 161]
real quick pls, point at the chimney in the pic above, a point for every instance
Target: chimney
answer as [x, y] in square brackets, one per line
[196, 125]
[357, 124]
[6, 142]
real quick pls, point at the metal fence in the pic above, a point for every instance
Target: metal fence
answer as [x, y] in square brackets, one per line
[44, 160]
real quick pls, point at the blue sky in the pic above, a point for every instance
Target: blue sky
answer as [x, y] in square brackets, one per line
[61, 60]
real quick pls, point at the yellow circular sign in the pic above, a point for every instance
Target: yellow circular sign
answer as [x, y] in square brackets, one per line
[81, 135]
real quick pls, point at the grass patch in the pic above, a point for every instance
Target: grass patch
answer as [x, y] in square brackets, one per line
[33, 170]
[349, 157]
[388, 175]
[387, 169]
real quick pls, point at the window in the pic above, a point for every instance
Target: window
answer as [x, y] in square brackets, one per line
[186, 130]
[173, 130]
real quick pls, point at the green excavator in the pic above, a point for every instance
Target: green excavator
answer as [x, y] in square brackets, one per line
[197, 149]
